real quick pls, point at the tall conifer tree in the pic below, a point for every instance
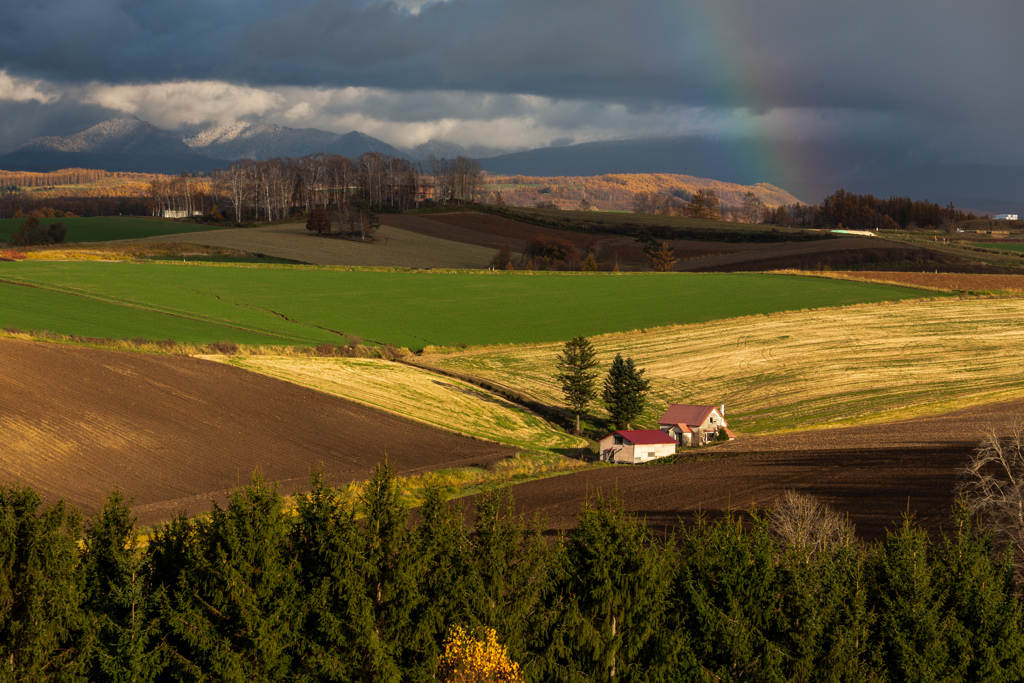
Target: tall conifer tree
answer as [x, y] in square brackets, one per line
[625, 391]
[118, 598]
[233, 614]
[335, 611]
[912, 638]
[576, 375]
[40, 590]
[391, 571]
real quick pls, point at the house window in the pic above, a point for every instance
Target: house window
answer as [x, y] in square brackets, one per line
[618, 440]
[650, 454]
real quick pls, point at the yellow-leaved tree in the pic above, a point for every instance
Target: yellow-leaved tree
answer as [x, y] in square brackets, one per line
[468, 660]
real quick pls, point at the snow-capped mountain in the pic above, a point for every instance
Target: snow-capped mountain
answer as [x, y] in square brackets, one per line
[450, 150]
[126, 143]
[121, 135]
[244, 140]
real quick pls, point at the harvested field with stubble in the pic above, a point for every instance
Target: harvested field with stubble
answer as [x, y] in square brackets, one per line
[803, 369]
[173, 433]
[419, 395]
[872, 473]
[392, 247]
[943, 282]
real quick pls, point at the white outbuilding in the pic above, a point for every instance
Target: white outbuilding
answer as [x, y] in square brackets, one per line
[636, 445]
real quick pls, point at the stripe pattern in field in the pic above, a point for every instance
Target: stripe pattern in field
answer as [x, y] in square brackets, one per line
[173, 432]
[313, 305]
[804, 369]
[419, 395]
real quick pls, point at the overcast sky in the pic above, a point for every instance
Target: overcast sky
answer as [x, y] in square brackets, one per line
[940, 74]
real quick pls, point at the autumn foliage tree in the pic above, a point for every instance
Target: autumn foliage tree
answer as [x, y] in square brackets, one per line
[318, 221]
[469, 660]
[662, 258]
[705, 204]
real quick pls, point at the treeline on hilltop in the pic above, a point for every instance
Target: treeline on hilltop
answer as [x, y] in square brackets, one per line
[844, 209]
[339, 591]
[267, 190]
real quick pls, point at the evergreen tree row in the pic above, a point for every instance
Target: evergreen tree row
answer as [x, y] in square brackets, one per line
[843, 209]
[333, 591]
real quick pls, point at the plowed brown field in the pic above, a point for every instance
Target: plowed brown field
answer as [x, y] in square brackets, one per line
[873, 473]
[493, 232]
[490, 231]
[174, 432]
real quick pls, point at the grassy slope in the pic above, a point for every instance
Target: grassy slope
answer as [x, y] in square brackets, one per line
[417, 309]
[104, 228]
[419, 395]
[1009, 246]
[32, 308]
[805, 369]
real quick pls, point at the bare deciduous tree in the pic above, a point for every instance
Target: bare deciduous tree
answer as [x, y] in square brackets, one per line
[993, 485]
[803, 522]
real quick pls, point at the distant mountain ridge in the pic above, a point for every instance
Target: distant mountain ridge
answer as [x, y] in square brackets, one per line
[121, 135]
[127, 143]
[809, 170]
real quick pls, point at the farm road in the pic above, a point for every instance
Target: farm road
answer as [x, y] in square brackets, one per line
[173, 433]
[873, 473]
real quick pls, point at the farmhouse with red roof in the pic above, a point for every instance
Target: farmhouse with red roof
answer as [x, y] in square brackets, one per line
[694, 425]
[636, 445]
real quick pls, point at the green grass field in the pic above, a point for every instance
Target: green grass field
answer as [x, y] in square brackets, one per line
[32, 308]
[312, 305]
[104, 228]
[1008, 246]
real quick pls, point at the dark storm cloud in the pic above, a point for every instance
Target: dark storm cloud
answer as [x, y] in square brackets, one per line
[946, 65]
[25, 120]
[874, 54]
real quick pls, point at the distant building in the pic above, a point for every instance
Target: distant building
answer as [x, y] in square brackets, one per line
[171, 213]
[1005, 217]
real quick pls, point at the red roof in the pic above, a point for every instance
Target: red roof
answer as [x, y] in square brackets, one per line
[683, 428]
[644, 437]
[688, 415]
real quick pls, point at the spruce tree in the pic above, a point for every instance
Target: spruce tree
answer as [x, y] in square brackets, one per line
[40, 588]
[981, 598]
[506, 574]
[576, 375]
[912, 638]
[625, 391]
[443, 547]
[118, 598]
[824, 618]
[390, 582]
[335, 611]
[233, 612]
[617, 581]
[724, 611]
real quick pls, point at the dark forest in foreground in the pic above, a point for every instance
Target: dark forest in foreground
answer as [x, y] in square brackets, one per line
[363, 592]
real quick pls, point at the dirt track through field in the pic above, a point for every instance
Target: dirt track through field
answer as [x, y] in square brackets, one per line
[174, 432]
[873, 473]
